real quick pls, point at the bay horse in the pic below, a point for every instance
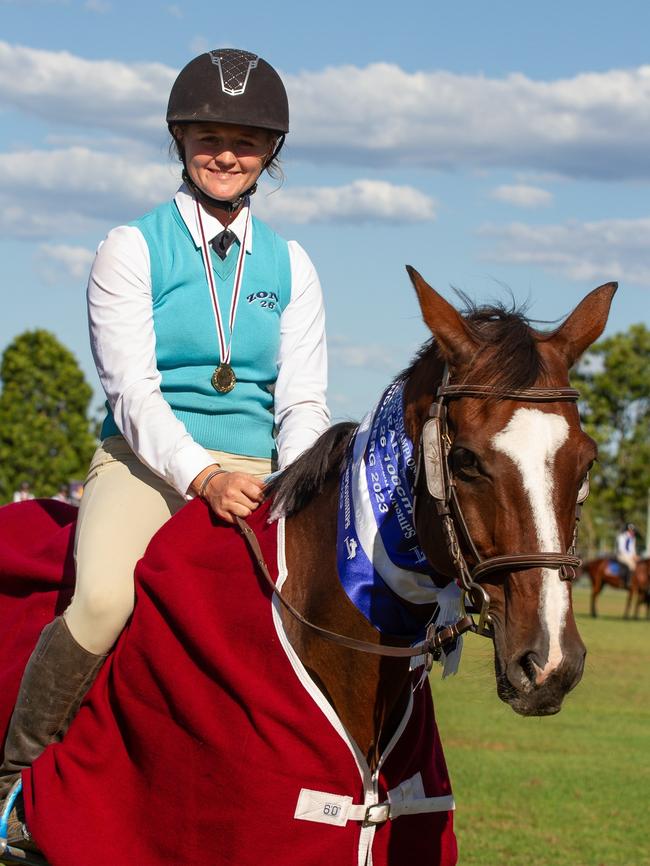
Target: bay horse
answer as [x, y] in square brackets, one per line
[518, 466]
[601, 574]
[503, 465]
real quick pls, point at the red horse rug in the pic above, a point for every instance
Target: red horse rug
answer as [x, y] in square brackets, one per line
[203, 740]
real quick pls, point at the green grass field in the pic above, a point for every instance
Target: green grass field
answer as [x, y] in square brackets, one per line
[566, 790]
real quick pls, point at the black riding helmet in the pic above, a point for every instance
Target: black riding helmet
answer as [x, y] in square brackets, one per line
[228, 85]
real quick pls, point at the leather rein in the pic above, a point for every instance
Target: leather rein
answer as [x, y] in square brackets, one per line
[435, 445]
[430, 647]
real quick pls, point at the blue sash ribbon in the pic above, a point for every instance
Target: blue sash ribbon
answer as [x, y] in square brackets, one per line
[380, 562]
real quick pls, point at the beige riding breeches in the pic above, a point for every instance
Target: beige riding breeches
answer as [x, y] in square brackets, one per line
[123, 505]
[628, 559]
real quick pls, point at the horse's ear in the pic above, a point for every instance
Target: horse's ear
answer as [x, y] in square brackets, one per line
[444, 321]
[585, 324]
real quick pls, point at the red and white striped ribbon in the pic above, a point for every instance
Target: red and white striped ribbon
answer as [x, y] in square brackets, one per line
[225, 351]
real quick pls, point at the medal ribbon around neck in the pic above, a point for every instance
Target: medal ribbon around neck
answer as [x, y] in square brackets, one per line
[223, 378]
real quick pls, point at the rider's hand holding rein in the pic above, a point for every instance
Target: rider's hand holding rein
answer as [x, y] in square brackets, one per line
[229, 494]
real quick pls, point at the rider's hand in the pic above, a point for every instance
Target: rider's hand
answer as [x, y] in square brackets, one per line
[230, 494]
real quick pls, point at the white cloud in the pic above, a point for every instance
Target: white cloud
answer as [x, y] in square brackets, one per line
[101, 7]
[593, 252]
[133, 149]
[61, 192]
[592, 125]
[59, 261]
[45, 220]
[368, 356]
[359, 201]
[105, 94]
[85, 172]
[521, 195]
[174, 10]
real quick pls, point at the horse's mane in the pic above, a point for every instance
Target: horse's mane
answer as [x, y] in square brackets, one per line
[297, 485]
[507, 359]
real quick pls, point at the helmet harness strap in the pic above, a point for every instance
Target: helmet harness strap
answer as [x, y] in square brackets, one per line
[205, 199]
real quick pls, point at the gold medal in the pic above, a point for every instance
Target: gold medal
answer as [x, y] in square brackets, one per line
[223, 379]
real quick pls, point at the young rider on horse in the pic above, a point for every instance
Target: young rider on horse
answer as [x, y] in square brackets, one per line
[626, 554]
[207, 329]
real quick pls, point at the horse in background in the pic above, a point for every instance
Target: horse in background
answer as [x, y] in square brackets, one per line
[643, 596]
[605, 571]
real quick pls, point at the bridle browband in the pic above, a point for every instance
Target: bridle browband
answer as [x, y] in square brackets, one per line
[434, 448]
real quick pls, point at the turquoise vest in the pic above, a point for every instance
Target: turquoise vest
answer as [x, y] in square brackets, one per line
[187, 346]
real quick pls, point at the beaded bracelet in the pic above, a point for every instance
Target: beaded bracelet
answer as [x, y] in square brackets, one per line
[209, 478]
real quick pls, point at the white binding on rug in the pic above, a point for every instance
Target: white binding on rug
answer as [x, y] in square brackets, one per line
[531, 440]
[406, 799]
[369, 779]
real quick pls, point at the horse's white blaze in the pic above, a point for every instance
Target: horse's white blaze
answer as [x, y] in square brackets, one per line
[531, 440]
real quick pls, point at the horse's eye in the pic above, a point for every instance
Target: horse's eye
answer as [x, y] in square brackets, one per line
[583, 490]
[464, 463]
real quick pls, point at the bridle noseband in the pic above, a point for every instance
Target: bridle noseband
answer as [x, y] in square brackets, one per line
[433, 453]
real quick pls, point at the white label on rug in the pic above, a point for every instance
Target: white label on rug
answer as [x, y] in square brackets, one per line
[411, 789]
[323, 808]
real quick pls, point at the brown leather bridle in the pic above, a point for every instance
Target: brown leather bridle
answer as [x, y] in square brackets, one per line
[433, 453]
[434, 447]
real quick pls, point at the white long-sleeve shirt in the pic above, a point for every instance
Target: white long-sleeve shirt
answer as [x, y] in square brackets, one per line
[626, 543]
[120, 313]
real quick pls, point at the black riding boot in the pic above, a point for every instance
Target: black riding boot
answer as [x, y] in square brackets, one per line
[625, 576]
[58, 675]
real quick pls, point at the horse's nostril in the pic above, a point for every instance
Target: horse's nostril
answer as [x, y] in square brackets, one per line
[531, 665]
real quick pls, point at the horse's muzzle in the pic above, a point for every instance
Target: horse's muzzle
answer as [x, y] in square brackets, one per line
[519, 683]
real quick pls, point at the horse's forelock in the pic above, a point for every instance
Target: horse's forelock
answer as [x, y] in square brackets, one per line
[508, 355]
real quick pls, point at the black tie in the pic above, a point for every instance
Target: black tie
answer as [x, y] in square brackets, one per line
[221, 243]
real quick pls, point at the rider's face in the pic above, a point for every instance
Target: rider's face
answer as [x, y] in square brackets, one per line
[224, 160]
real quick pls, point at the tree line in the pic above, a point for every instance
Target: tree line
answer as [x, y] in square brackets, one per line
[614, 383]
[47, 434]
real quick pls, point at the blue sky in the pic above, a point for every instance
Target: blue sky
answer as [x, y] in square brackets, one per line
[488, 145]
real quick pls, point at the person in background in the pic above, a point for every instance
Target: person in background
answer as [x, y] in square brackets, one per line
[626, 554]
[23, 493]
[62, 494]
[75, 492]
[208, 333]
